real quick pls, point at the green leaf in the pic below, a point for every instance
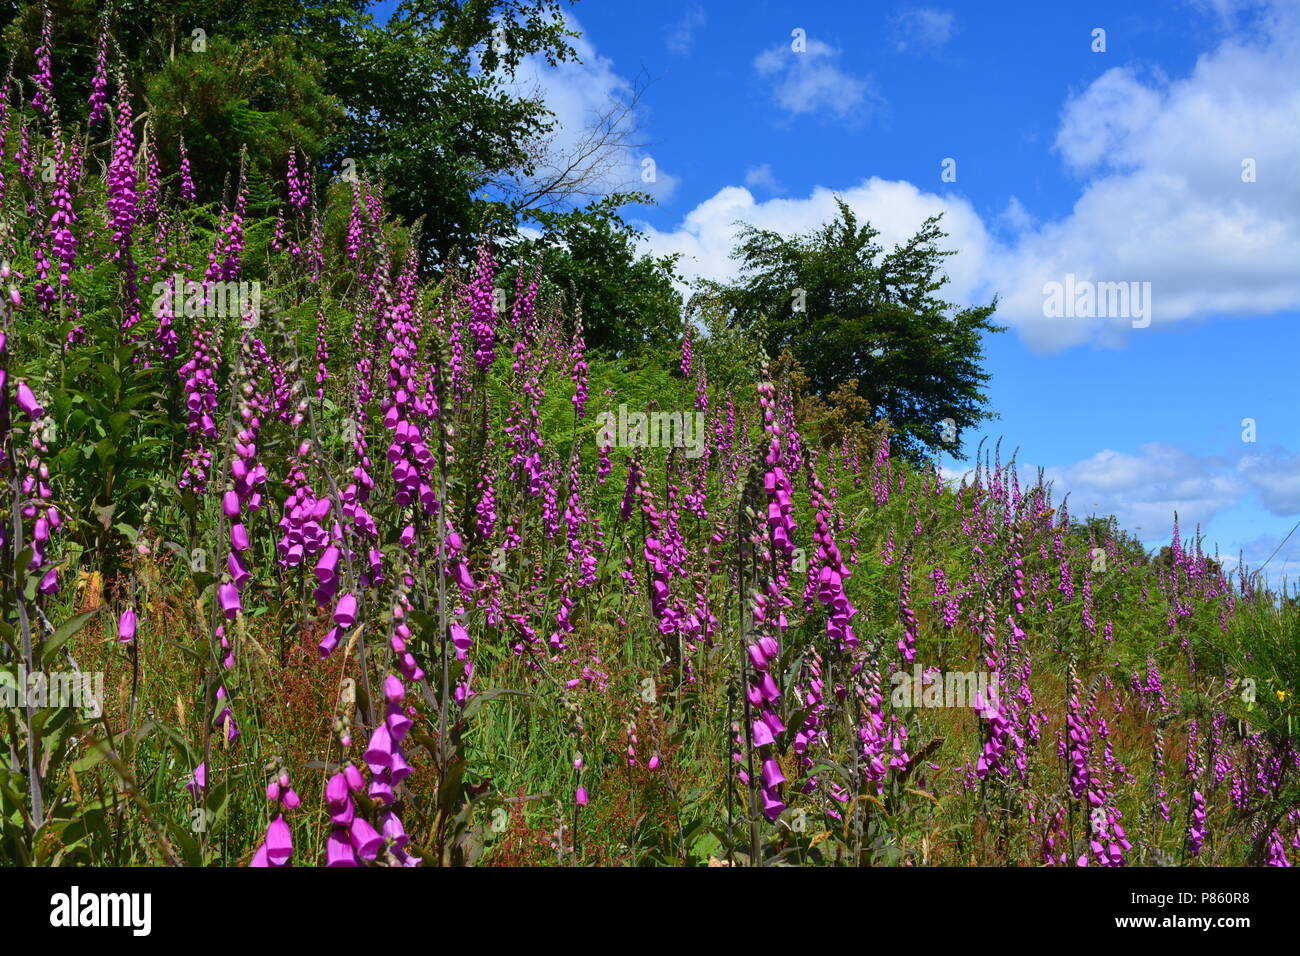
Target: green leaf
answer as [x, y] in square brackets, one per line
[482, 697]
[64, 632]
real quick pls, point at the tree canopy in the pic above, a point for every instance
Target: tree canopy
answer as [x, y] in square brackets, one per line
[424, 101]
[848, 309]
[628, 300]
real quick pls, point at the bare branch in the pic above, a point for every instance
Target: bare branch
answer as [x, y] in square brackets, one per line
[599, 160]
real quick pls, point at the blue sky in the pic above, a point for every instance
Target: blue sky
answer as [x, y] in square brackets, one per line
[1117, 166]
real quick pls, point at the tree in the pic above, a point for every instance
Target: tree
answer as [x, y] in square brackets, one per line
[425, 102]
[259, 96]
[432, 111]
[582, 165]
[848, 310]
[629, 301]
[1095, 530]
[225, 76]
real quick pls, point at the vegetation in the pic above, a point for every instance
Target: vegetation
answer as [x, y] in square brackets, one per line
[314, 554]
[849, 310]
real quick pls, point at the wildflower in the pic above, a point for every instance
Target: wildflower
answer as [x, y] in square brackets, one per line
[126, 626]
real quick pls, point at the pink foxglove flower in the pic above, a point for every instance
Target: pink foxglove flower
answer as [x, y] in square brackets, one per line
[126, 626]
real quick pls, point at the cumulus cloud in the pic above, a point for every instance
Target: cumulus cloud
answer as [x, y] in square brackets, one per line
[1144, 490]
[705, 238]
[1164, 199]
[1105, 123]
[584, 94]
[923, 28]
[1276, 478]
[809, 80]
[1015, 216]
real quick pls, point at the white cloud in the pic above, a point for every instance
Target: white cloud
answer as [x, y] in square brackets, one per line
[681, 39]
[1016, 217]
[761, 177]
[810, 80]
[923, 28]
[706, 236]
[1277, 558]
[1144, 490]
[1226, 11]
[1106, 122]
[1165, 202]
[1277, 480]
[579, 92]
